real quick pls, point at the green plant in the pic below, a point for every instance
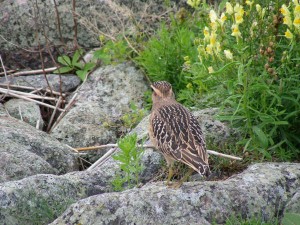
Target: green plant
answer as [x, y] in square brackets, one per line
[129, 159]
[250, 60]
[163, 55]
[74, 64]
[113, 52]
[132, 118]
[291, 219]
[238, 220]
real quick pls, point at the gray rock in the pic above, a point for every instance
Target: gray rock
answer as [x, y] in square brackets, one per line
[66, 82]
[29, 112]
[2, 110]
[263, 190]
[293, 205]
[102, 100]
[24, 23]
[26, 151]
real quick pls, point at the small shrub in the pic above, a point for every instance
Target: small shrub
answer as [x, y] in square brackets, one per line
[129, 159]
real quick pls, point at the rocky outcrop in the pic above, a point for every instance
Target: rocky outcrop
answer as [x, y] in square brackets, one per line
[28, 24]
[263, 190]
[102, 99]
[26, 151]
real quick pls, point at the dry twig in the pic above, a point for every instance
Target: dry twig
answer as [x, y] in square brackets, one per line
[107, 155]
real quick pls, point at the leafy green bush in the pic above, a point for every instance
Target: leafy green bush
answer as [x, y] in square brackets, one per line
[243, 57]
[113, 52]
[163, 55]
[129, 159]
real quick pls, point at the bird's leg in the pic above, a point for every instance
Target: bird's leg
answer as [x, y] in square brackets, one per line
[186, 176]
[170, 175]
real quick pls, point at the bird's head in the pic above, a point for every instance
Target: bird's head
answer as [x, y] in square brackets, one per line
[162, 90]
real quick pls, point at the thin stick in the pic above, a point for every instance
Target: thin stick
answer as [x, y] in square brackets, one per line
[77, 153]
[105, 157]
[31, 72]
[65, 111]
[7, 72]
[28, 95]
[31, 88]
[4, 70]
[29, 99]
[54, 112]
[212, 152]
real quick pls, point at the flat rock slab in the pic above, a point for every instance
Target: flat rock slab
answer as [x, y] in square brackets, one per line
[263, 190]
[27, 151]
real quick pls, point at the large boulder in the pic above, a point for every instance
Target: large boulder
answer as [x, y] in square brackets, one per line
[263, 190]
[28, 24]
[102, 100]
[27, 151]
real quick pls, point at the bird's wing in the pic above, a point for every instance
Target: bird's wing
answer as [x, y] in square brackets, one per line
[178, 135]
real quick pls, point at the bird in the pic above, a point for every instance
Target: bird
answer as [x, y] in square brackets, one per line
[176, 133]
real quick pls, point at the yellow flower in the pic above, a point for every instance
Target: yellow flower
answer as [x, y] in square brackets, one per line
[193, 3]
[261, 11]
[206, 33]
[238, 18]
[239, 13]
[213, 16]
[228, 54]
[288, 34]
[222, 19]
[297, 22]
[288, 21]
[250, 3]
[238, 9]
[284, 10]
[235, 30]
[297, 10]
[212, 39]
[210, 69]
[229, 8]
[209, 49]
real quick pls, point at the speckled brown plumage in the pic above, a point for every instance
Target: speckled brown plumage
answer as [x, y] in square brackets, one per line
[175, 131]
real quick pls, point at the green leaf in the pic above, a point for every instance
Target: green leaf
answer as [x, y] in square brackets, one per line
[89, 66]
[79, 65]
[261, 136]
[291, 219]
[81, 74]
[64, 60]
[76, 56]
[64, 69]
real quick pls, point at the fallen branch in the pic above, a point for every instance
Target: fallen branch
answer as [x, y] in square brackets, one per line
[28, 95]
[30, 72]
[13, 94]
[31, 88]
[7, 72]
[104, 158]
